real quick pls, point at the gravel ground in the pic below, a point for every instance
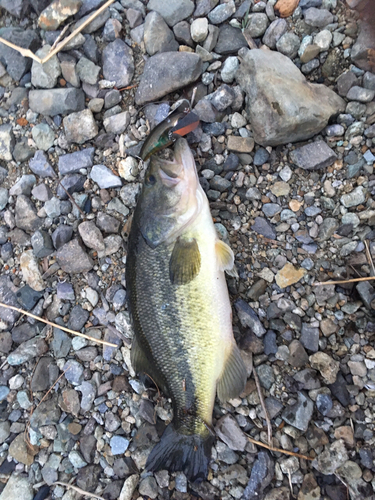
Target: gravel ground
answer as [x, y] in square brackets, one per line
[285, 154]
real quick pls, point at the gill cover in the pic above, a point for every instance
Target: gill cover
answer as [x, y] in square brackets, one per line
[170, 197]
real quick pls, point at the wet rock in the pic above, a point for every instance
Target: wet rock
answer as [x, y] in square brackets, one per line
[229, 431]
[313, 156]
[80, 127]
[118, 64]
[166, 72]
[173, 11]
[72, 258]
[280, 108]
[158, 37]
[300, 413]
[57, 12]
[28, 350]
[40, 165]
[54, 102]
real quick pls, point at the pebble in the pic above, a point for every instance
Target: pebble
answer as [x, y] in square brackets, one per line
[327, 366]
[313, 156]
[354, 198]
[80, 127]
[228, 431]
[119, 445]
[54, 102]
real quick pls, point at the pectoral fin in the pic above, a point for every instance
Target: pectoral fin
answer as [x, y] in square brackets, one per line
[185, 261]
[233, 379]
[225, 258]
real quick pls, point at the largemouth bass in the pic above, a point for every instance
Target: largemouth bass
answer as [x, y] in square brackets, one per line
[181, 312]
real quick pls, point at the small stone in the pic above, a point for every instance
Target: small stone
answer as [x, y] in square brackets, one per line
[117, 124]
[61, 235]
[257, 24]
[128, 488]
[43, 136]
[104, 177]
[313, 156]
[80, 127]
[240, 144]
[6, 142]
[119, 445]
[173, 11]
[324, 403]
[323, 40]
[87, 71]
[249, 318]
[288, 44]
[148, 487]
[72, 258]
[118, 64]
[333, 457]
[91, 235]
[327, 366]
[229, 431]
[30, 271]
[40, 166]
[345, 432]
[297, 354]
[73, 162]
[222, 12]
[360, 94]
[299, 414]
[354, 198]
[45, 75]
[199, 29]
[27, 350]
[57, 12]
[318, 18]
[229, 69]
[274, 32]
[289, 275]
[53, 207]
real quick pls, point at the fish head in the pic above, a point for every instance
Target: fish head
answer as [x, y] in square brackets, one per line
[171, 197]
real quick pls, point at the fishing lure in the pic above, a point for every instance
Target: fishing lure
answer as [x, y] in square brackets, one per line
[180, 122]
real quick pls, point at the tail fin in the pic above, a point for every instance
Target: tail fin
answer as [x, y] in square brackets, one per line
[180, 452]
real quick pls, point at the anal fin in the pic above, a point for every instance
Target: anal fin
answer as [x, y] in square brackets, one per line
[233, 379]
[142, 364]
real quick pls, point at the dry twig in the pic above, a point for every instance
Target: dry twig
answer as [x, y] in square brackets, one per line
[79, 334]
[59, 38]
[343, 282]
[72, 200]
[263, 403]
[82, 492]
[278, 450]
[61, 45]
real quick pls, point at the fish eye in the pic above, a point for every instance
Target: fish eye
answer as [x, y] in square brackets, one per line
[150, 181]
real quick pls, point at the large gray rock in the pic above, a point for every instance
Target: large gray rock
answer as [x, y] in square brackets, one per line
[363, 46]
[17, 487]
[56, 101]
[166, 72]
[283, 107]
[15, 64]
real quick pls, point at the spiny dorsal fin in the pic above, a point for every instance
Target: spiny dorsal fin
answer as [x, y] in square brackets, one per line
[225, 257]
[233, 379]
[185, 261]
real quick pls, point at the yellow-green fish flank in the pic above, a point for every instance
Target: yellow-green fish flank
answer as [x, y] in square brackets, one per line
[181, 311]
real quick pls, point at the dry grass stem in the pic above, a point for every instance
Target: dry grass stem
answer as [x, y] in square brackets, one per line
[369, 258]
[343, 282]
[79, 334]
[263, 403]
[72, 200]
[21, 50]
[59, 38]
[61, 45]
[82, 492]
[278, 450]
